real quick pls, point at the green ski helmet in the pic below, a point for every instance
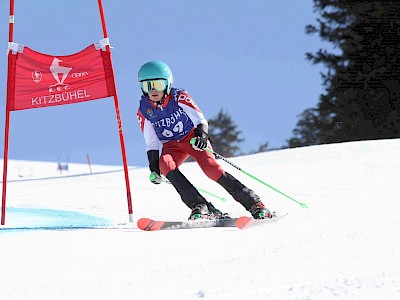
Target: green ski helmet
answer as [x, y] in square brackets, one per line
[156, 70]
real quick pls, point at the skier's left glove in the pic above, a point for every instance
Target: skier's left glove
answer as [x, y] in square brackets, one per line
[200, 138]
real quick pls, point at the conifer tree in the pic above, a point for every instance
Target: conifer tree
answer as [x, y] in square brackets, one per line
[362, 87]
[224, 134]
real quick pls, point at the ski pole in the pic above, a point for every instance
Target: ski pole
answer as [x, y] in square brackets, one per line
[152, 176]
[211, 194]
[252, 176]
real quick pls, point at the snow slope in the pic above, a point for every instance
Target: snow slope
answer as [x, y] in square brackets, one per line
[345, 246]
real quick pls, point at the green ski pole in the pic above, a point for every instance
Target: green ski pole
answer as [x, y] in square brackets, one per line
[252, 176]
[152, 176]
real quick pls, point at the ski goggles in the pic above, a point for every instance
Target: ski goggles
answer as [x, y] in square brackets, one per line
[157, 84]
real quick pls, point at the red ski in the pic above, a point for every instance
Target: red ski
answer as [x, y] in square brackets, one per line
[246, 222]
[147, 224]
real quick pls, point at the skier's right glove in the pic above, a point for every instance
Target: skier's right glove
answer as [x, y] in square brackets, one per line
[155, 178]
[154, 160]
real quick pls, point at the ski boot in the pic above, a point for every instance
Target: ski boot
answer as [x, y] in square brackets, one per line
[216, 213]
[207, 211]
[259, 211]
[200, 211]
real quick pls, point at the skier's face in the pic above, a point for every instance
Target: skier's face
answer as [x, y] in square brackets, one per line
[155, 96]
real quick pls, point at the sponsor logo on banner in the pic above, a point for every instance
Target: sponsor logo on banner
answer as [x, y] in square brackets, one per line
[37, 76]
[60, 90]
[42, 80]
[60, 73]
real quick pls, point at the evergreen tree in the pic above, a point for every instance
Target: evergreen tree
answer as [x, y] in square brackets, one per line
[224, 134]
[362, 87]
[307, 130]
[264, 147]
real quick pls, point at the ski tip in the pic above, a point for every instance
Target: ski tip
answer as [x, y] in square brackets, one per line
[147, 224]
[244, 222]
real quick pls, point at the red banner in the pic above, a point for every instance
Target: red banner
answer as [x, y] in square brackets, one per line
[39, 80]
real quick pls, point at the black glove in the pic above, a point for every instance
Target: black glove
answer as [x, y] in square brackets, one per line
[201, 137]
[154, 160]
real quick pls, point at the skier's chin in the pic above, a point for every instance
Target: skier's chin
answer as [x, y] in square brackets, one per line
[155, 97]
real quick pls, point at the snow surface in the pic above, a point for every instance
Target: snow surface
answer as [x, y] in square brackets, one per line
[67, 236]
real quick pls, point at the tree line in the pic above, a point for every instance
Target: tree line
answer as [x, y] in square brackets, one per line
[361, 79]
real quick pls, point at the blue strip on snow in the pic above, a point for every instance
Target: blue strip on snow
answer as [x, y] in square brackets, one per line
[49, 219]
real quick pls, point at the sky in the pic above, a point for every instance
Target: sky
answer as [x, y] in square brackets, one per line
[344, 246]
[245, 57]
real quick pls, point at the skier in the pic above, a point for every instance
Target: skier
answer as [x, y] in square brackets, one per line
[169, 116]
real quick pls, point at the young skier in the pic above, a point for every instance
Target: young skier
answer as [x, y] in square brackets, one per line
[169, 116]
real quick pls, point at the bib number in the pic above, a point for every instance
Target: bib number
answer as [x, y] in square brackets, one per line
[178, 128]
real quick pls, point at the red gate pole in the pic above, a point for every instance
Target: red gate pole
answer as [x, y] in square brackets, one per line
[121, 135]
[7, 123]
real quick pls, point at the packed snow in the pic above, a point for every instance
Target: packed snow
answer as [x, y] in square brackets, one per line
[67, 234]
